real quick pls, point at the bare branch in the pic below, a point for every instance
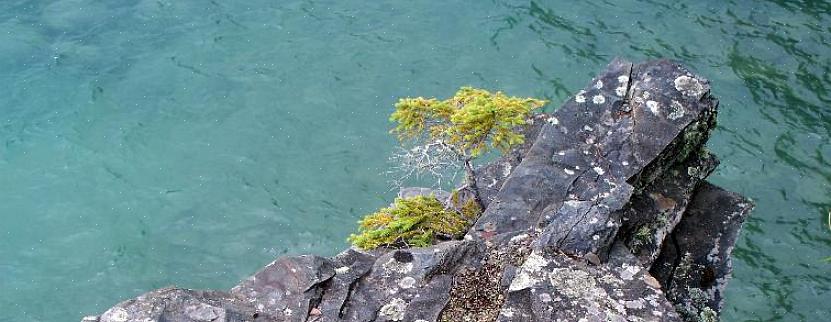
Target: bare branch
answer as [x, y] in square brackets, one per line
[432, 159]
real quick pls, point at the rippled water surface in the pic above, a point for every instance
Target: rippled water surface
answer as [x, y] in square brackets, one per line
[158, 142]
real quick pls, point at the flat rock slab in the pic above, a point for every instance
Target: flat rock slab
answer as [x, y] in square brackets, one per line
[612, 138]
[653, 213]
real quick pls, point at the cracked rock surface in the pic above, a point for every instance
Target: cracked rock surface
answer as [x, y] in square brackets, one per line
[604, 214]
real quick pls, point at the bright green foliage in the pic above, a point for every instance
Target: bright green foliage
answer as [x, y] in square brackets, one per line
[471, 122]
[413, 222]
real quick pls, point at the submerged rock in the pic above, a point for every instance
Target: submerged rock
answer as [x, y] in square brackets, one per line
[602, 215]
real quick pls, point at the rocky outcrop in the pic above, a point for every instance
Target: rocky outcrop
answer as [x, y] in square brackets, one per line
[604, 215]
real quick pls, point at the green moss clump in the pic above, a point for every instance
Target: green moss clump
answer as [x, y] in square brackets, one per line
[413, 222]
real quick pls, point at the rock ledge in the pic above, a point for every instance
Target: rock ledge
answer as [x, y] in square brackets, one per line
[603, 215]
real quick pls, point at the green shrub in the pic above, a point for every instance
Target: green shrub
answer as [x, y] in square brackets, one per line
[413, 222]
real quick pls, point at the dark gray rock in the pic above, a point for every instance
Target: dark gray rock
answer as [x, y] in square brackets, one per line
[610, 140]
[408, 284]
[174, 304]
[696, 265]
[350, 267]
[490, 177]
[656, 210]
[287, 287]
[551, 286]
[574, 222]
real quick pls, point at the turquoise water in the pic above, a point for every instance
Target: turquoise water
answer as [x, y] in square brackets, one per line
[150, 143]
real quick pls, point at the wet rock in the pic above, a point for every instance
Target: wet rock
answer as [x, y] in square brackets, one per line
[696, 265]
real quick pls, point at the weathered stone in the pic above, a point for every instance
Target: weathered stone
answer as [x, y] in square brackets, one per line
[576, 175]
[656, 210]
[408, 284]
[490, 177]
[181, 305]
[350, 266]
[551, 286]
[287, 288]
[696, 265]
[608, 174]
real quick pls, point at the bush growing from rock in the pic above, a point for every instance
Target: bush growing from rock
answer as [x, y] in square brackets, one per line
[414, 222]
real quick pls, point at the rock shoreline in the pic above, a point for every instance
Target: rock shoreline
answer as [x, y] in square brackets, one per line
[603, 215]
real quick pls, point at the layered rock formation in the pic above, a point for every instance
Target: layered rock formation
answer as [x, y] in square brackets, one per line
[604, 215]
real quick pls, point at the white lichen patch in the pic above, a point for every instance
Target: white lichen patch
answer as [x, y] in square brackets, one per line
[519, 238]
[407, 282]
[623, 79]
[530, 273]
[653, 107]
[552, 120]
[521, 281]
[599, 170]
[598, 99]
[689, 86]
[599, 84]
[568, 171]
[394, 310]
[398, 267]
[627, 272]
[580, 97]
[507, 312]
[620, 91]
[574, 283]
[115, 314]
[342, 270]
[506, 169]
[638, 304]
[203, 312]
[677, 111]
[534, 263]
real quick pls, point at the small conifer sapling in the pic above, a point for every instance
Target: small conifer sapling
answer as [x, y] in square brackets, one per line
[451, 133]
